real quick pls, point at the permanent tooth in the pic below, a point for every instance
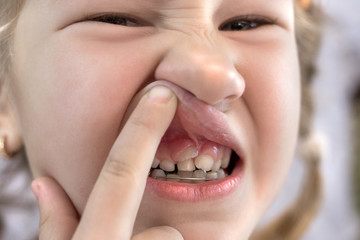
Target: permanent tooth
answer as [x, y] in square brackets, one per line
[226, 159]
[199, 174]
[211, 176]
[155, 163]
[167, 166]
[216, 166]
[173, 178]
[188, 153]
[158, 173]
[204, 162]
[187, 165]
[185, 174]
[221, 174]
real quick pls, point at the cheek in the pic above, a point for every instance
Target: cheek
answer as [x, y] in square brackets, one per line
[71, 98]
[273, 98]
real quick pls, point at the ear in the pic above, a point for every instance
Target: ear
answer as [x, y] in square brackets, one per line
[304, 4]
[9, 130]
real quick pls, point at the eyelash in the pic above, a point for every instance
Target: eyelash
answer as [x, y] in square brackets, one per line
[244, 23]
[116, 20]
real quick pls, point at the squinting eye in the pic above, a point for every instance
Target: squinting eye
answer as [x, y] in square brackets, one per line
[245, 23]
[116, 20]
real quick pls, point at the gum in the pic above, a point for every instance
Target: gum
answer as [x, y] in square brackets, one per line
[170, 150]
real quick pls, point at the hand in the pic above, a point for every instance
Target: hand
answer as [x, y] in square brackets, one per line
[114, 202]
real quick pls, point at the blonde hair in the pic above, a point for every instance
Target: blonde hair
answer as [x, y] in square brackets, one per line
[294, 221]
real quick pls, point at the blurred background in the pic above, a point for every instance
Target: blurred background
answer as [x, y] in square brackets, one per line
[337, 125]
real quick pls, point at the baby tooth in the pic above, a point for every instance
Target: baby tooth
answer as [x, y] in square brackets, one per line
[185, 174]
[155, 163]
[158, 173]
[167, 166]
[187, 165]
[211, 176]
[189, 153]
[221, 174]
[204, 162]
[199, 174]
[226, 159]
[216, 166]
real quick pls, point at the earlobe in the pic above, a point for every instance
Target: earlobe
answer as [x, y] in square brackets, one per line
[304, 4]
[10, 138]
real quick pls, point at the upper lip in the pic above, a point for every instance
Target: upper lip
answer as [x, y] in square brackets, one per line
[201, 119]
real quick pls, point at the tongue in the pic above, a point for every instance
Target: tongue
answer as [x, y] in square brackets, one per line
[197, 126]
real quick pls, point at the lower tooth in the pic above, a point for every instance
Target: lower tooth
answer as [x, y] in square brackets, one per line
[212, 176]
[185, 174]
[199, 174]
[221, 174]
[158, 173]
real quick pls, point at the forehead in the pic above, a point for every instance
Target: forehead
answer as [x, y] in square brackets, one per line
[166, 3]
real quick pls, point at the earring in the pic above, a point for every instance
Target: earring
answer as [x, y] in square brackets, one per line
[3, 152]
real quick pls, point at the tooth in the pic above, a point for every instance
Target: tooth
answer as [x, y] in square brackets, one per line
[158, 173]
[187, 165]
[226, 159]
[190, 152]
[204, 162]
[155, 163]
[216, 166]
[185, 174]
[221, 174]
[211, 176]
[167, 166]
[173, 178]
[199, 174]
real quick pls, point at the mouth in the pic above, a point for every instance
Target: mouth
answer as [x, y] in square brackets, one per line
[198, 157]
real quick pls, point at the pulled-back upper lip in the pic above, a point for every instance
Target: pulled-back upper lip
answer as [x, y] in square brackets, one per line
[200, 119]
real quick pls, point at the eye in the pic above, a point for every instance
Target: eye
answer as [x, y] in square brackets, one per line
[245, 23]
[116, 19]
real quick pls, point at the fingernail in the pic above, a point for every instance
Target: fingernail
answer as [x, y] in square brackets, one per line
[160, 94]
[36, 188]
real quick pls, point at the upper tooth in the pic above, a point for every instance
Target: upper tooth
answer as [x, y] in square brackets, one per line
[216, 166]
[226, 159]
[167, 166]
[187, 165]
[155, 163]
[204, 162]
[188, 153]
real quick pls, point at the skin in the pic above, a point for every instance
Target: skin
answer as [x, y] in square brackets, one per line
[75, 79]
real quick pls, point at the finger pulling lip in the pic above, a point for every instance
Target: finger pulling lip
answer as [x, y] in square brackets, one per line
[200, 119]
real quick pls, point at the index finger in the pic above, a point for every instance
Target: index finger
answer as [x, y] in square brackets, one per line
[113, 204]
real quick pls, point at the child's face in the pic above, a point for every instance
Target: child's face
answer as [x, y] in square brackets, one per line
[74, 80]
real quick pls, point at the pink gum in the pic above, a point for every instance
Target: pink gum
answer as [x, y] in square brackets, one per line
[172, 149]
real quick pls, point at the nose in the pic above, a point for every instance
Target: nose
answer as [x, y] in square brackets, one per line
[205, 70]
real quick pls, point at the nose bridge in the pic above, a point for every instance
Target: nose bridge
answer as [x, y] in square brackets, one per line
[203, 67]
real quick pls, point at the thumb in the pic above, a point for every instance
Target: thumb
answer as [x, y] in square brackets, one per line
[58, 217]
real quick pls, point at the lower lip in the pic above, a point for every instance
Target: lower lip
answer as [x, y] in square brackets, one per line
[207, 191]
